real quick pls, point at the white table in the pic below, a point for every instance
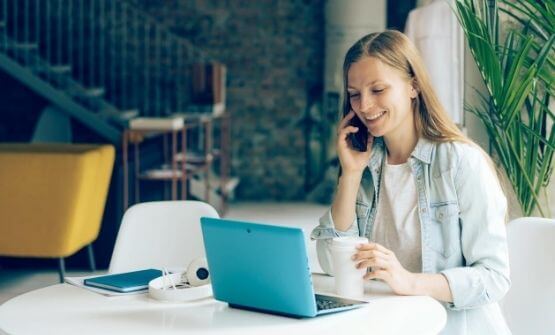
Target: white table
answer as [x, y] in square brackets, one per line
[65, 309]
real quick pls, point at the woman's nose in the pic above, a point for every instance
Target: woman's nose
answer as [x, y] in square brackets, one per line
[366, 103]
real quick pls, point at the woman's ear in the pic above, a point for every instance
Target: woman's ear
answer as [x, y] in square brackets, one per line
[413, 89]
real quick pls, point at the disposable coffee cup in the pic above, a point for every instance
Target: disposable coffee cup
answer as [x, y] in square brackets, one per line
[349, 281]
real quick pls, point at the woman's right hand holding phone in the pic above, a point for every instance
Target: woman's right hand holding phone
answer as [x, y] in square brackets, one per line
[352, 161]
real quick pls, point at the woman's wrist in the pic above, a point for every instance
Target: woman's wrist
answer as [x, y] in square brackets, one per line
[416, 287]
[434, 285]
[351, 176]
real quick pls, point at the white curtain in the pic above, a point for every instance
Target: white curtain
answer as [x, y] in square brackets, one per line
[435, 31]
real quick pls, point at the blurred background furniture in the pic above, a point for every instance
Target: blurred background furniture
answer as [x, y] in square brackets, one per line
[52, 199]
[160, 234]
[529, 304]
[169, 170]
[195, 160]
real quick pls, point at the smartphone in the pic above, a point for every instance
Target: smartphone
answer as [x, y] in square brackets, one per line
[359, 140]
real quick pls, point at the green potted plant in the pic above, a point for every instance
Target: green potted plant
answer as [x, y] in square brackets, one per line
[516, 64]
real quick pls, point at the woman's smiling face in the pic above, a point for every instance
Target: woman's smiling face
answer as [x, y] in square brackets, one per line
[381, 97]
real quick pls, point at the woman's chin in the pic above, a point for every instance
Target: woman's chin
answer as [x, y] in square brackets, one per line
[376, 132]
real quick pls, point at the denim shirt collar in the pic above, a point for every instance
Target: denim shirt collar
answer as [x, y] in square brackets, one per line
[422, 151]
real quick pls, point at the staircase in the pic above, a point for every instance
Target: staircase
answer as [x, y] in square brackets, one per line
[101, 62]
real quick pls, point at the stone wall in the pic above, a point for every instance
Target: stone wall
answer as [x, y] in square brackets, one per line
[273, 51]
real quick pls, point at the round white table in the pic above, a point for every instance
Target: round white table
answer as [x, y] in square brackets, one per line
[66, 309]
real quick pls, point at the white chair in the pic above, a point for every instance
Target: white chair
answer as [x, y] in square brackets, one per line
[530, 303]
[160, 234]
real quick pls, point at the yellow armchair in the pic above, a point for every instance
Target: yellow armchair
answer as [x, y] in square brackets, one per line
[52, 198]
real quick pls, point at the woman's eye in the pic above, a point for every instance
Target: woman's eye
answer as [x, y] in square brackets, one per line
[353, 96]
[378, 90]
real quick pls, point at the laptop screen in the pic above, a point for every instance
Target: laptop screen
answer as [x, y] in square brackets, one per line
[259, 266]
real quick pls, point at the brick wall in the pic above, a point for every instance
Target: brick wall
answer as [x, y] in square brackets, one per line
[274, 54]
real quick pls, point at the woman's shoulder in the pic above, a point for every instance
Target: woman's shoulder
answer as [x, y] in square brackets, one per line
[459, 148]
[459, 154]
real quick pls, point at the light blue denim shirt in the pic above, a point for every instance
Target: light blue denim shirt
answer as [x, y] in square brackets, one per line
[462, 212]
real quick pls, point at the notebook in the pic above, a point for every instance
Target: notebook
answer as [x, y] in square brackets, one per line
[264, 268]
[125, 282]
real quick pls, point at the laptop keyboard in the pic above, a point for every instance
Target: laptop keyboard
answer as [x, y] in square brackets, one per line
[326, 302]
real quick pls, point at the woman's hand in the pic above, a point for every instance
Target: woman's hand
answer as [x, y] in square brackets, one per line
[386, 267]
[351, 160]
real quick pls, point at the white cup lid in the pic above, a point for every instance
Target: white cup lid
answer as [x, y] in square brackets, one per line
[348, 241]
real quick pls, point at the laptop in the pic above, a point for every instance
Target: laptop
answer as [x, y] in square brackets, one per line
[264, 268]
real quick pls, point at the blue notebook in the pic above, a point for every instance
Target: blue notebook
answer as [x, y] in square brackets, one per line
[125, 282]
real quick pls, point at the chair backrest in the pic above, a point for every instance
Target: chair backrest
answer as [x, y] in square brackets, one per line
[160, 234]
[530, 303]
[52, 197]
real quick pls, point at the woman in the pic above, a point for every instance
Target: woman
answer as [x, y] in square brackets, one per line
[426, 197]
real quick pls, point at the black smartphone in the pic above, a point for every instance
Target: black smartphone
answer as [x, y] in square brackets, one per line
[359, 140]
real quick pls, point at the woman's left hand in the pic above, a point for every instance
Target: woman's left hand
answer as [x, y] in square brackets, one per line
[385, 266]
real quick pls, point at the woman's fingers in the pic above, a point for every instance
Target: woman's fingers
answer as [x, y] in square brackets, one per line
[372, 258]
[373, 246]
[343, 133]
[373, 255]
[377, 262]
[344, 122]
[378, 274]
[366, 254]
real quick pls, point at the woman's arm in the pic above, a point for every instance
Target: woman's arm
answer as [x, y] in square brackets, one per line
[485, 277]
[353, 163]
[432, 284]
[343, 207]
[339, 220]
[386, 267]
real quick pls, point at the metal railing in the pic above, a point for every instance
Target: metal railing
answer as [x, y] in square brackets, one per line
[105, 53]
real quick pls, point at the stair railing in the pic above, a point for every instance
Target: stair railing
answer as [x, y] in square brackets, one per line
[107, 54]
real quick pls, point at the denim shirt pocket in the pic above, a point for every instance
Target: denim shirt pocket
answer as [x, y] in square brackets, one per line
[444, 229]
[362, 209]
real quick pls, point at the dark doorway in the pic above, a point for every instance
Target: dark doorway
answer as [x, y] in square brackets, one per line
[397, 13]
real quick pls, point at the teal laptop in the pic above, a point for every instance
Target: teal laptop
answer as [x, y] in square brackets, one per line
[264, 268]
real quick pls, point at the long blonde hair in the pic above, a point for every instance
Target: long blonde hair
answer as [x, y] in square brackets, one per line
[396, 50]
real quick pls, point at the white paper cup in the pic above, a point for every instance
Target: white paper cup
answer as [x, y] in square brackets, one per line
[349, 281]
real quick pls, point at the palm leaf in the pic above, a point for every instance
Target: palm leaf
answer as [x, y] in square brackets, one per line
[518, 75]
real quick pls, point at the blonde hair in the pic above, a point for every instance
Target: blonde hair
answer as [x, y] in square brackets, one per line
[396, 50]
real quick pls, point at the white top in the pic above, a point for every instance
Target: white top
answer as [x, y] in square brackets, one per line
[65, 309]
[397, 226]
